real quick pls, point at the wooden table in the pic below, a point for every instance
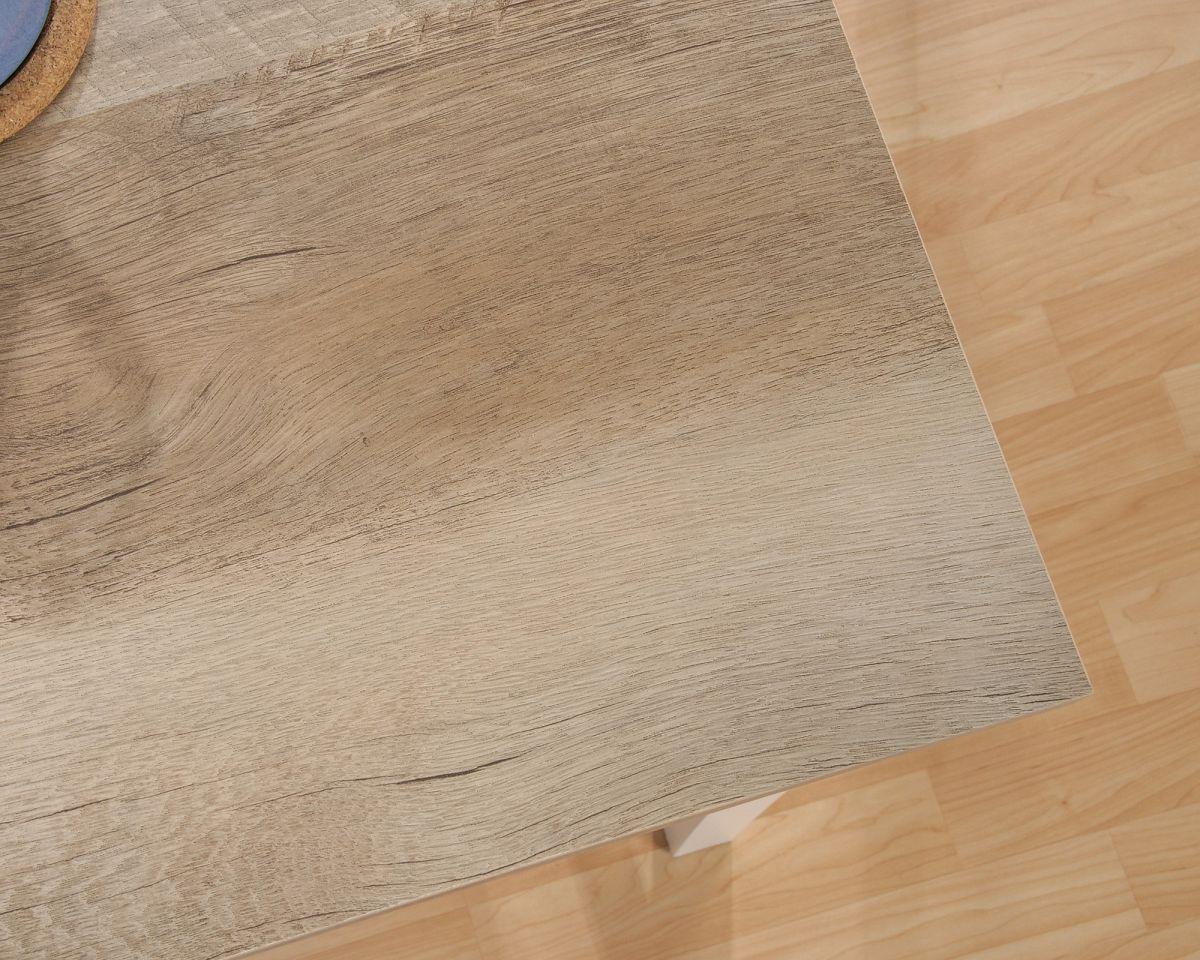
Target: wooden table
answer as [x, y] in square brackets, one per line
[437, 440]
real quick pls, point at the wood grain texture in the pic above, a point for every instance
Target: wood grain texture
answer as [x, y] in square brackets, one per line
[146, 48]
[804, 861]
[1009, 915]
[1161, 856]
[1156, 627]
[1183, 387]
[1034, 811]
[470, 447]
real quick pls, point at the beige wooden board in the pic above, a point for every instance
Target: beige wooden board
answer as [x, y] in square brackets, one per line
[144, 47]
[1120, 767]
[476, 445]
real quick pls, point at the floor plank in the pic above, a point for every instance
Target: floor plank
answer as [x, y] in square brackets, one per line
[1161, 856]
[1017, 361]
[799, 861]
[1042, 906]
[1156, 628]
[1120, 437]
[937, 69]
[1146, 531]
[1084, 241]
[1180, 942]
[1072, 150]
[1183, 387]
[1130, 763]
[1133, 328]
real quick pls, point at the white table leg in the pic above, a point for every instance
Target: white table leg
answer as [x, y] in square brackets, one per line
[711, 829]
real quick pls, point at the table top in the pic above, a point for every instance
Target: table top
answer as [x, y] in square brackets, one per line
[437, 440]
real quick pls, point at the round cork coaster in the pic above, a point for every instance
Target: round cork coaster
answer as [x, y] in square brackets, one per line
[31, 89]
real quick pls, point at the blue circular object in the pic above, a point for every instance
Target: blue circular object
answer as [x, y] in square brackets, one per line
[21, 23]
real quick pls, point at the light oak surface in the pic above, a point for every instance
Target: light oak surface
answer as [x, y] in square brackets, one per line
[483, 438]
[1073, 835]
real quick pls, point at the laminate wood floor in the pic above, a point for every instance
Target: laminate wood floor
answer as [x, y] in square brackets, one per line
[1051, 155]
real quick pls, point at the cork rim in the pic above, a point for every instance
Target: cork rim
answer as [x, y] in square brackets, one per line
[49, 65]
